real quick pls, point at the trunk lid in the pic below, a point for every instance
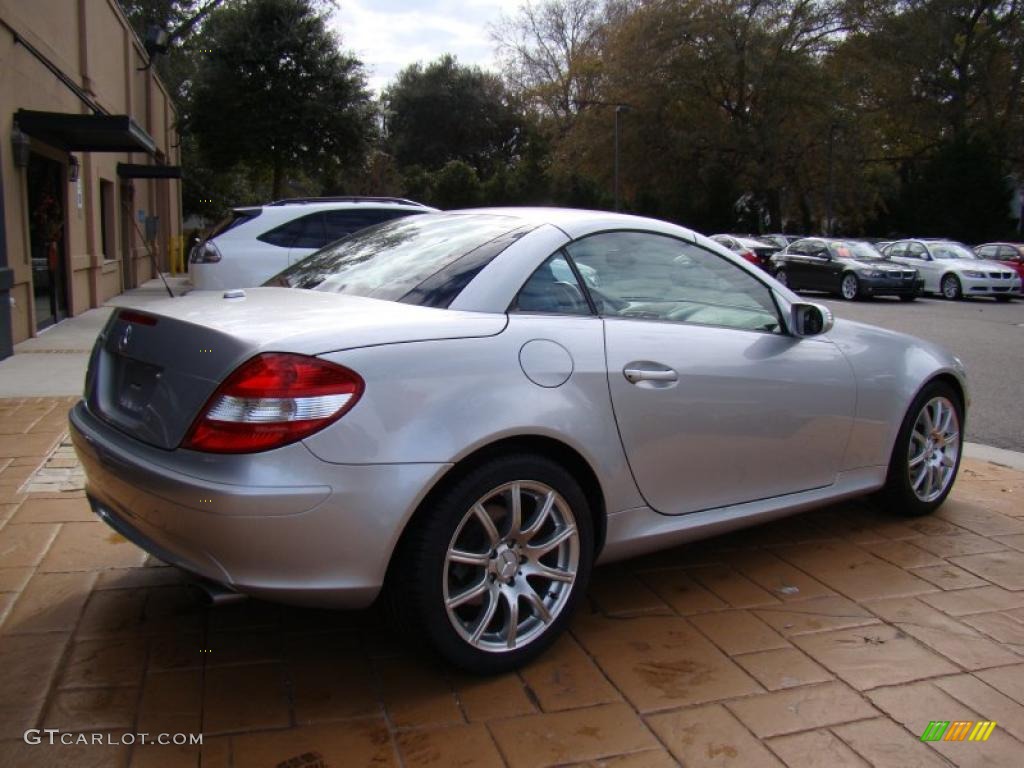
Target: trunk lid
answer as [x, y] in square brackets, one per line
[152, 371]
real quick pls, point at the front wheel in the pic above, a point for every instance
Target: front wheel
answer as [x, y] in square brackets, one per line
[951, 287]
[849, 288]
[492, 571]
[926, 456]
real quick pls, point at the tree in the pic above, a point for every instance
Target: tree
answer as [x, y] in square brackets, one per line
[551, 52]
[275, 92]
[446, 111]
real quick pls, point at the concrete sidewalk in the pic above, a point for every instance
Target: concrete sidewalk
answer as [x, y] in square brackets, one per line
[829, 639]
[54, 362]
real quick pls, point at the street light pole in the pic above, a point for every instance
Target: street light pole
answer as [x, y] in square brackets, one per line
[831, 186]
[619, 109]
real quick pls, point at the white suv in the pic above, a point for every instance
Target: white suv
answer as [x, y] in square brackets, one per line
[254, 244]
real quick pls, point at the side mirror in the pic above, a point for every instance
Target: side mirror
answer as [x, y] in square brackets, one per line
[808, 319]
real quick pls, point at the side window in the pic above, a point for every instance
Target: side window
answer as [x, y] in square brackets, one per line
[1008, 253]
[656, 277]
[304, 232]
[339, 224]
[989, 252]
[817, 248]
[799, 248]
[916, 251]
[552, 289]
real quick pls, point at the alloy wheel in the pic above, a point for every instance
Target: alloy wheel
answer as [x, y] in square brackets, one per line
[849, 287]
[510, 566]
[950, 287]
[934, 449]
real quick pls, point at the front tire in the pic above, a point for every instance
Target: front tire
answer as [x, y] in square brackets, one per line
[951, 288]
[495, 565]
[849, 287]
[927, 453]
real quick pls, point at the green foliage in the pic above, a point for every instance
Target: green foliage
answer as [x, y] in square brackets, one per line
[456, 185]
[445, 111]
[960, 191]
[275, 93]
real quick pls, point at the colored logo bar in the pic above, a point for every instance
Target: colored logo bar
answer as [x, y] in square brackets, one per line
[958, 730]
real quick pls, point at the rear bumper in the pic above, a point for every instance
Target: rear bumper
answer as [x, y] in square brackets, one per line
[283, 525]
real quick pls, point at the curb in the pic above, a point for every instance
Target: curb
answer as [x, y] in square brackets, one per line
[1001, 456]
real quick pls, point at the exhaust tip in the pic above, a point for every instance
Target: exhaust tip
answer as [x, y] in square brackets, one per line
[218, 594]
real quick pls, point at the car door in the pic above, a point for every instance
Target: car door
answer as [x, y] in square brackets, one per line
[929, 269]
[819, 266]
[715, 403]
[797, 265]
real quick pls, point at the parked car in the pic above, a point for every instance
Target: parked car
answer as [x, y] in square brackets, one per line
[952, 270]
[1009, 254]
[850, 268]
[779, 241]
[257, 242]
[450, 414]
[753, 250]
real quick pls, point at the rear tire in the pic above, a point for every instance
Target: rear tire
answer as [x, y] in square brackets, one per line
[520, 598]
[926, 456]
[951, 288]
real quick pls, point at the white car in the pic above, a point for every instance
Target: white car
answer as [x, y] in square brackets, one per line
[952, 270]
[255, 243]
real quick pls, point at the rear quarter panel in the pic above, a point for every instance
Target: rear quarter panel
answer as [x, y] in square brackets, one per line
[439, 401]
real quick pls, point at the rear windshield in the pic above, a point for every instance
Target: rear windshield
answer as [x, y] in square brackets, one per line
[390, 260]
[238, 216]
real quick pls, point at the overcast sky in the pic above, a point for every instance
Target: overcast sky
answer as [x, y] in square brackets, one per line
[388, 35]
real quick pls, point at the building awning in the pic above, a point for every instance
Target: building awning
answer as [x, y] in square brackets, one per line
[86, 133]
[132, 171]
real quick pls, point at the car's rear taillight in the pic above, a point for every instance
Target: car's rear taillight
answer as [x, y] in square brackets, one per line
[750, 256]
[205, 253]
[272, 400]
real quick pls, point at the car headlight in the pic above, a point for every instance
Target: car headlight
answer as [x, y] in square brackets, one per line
[972, 273]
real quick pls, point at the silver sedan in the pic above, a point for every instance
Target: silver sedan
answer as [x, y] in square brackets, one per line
[466, 411]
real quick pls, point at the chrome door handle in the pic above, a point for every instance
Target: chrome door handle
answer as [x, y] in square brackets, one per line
[633, 375]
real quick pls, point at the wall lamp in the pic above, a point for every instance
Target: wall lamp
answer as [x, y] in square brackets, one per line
[74, 168]
[21, 146]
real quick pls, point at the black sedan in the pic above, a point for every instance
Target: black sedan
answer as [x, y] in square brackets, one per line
[851, 268]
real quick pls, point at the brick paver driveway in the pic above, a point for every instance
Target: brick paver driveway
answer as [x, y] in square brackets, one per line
[830, 639]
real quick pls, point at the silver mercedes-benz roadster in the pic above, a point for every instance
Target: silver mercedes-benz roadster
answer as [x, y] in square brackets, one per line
[466, 411]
